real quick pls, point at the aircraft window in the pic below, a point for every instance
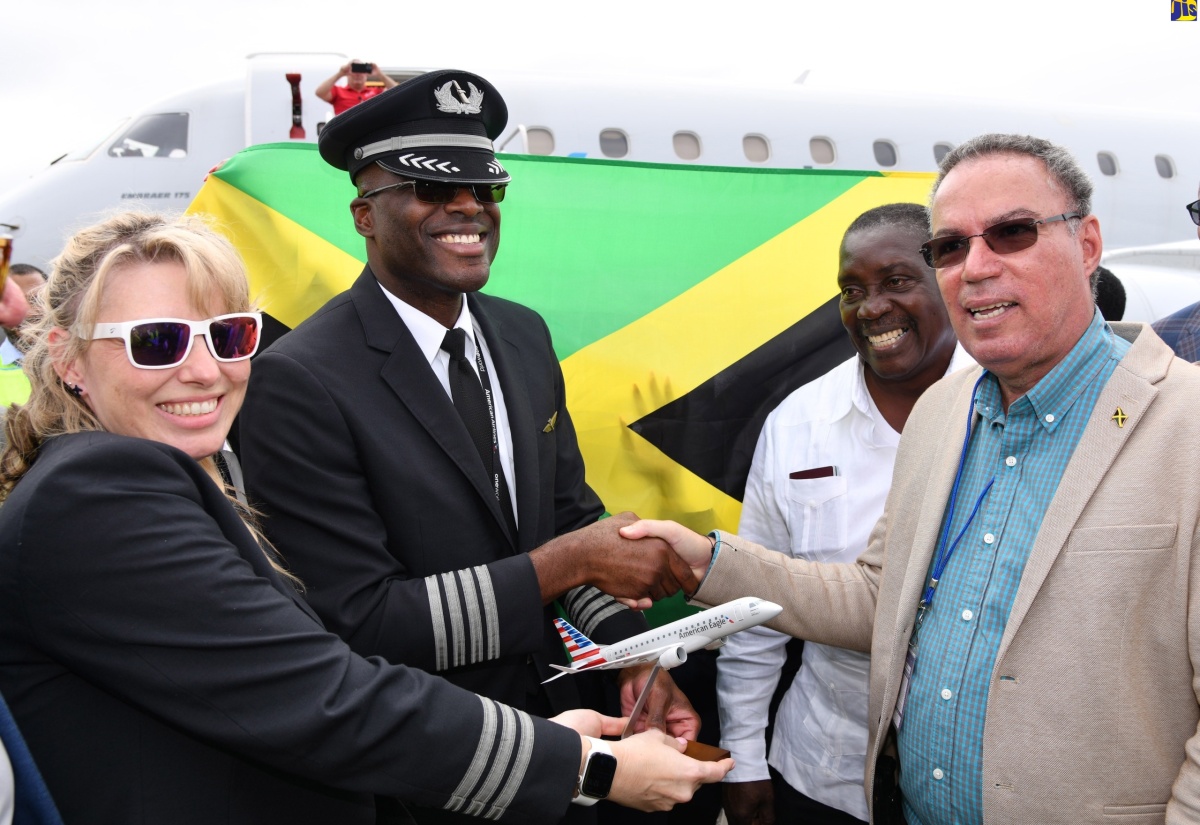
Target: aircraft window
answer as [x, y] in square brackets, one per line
[153, 136]
[756, 148]
[687, 145]
[541, 140]
[821, 149]
[885, 152]
[1165, 166]
[1108, 163]
[940, 150]
[614, 143]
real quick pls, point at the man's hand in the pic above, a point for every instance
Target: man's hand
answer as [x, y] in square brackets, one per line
[696, 550]
[377, 72]
[600, 556]
[666, 709]
[13, 305]
[749, 803]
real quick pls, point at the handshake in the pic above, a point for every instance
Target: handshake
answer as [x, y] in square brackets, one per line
[636, 561]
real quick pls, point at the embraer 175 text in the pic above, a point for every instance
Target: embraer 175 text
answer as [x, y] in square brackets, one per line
[670, 644]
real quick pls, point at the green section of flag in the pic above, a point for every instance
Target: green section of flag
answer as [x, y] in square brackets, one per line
[594, 245]
[606, 237]
[291, 179]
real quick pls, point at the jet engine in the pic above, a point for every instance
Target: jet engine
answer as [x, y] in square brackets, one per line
[673, 657]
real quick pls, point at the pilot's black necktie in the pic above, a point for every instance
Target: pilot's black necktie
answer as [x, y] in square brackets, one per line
[479, 415]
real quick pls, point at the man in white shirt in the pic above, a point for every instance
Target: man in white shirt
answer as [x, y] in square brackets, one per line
[821, 472]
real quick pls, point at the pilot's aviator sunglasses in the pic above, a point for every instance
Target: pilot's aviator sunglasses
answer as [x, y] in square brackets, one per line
[432, 191]
[159, 343]
[1193, 209]
[1002, 238]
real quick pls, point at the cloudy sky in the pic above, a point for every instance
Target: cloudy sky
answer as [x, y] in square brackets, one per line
[70, 69]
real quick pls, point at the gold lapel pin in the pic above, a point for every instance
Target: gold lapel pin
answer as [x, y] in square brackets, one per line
[1120, 417]
[550, 422]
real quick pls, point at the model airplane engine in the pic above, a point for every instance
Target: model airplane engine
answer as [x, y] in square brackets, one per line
[673, 657]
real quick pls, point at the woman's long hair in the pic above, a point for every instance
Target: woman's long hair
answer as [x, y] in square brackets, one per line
[70, 302]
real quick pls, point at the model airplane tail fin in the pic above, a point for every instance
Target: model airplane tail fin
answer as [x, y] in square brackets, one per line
[585, 653]
[580, 648]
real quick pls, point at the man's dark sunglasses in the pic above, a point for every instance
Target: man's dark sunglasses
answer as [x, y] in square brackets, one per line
[432, 191]
[1193, 209]
[1002, 238]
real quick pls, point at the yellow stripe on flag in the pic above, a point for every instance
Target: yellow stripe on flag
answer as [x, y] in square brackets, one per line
[292, 270]
[670, 351]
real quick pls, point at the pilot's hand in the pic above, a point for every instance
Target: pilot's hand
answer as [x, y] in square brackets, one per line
[749, 803]
[637, 569]
[638, 572]
[654, 775]
[666, 708]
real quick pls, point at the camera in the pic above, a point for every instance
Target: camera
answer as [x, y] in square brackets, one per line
[361, 68]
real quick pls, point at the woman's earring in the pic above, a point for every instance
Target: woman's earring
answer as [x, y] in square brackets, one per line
[74, 390]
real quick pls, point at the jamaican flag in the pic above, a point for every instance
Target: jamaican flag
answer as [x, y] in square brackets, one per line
[685, 301]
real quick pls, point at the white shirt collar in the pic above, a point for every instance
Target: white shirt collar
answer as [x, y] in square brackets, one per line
[860, 397]
[429, 333]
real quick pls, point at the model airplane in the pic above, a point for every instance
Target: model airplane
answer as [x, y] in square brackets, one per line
[668, 645]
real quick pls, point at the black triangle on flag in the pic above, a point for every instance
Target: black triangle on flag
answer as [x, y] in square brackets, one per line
[713, 429]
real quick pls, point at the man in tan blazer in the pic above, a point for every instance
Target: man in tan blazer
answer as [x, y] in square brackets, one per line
[1056, 668]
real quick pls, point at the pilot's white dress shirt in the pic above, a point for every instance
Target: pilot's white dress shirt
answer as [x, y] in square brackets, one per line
[429, 334]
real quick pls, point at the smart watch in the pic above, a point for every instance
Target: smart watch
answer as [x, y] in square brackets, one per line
[599, 768]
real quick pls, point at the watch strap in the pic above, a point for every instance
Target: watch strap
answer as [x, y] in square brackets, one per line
[599, 748]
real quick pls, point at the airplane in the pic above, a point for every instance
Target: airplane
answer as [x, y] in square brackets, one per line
[668, 645]
[1143, 164]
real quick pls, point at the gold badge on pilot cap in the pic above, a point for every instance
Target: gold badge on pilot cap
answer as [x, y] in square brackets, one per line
[437, 126]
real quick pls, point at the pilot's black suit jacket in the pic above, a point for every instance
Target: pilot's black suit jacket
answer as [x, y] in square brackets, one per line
[375, 495]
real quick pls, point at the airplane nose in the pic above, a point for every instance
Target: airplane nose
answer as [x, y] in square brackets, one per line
[770, 609]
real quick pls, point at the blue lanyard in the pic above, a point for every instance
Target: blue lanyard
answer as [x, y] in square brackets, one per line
[943, 554]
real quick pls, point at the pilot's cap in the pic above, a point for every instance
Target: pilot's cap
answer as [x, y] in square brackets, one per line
[437, 126]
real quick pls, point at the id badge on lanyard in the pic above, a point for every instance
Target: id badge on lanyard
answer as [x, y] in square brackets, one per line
[910, 663]
[941, 559]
